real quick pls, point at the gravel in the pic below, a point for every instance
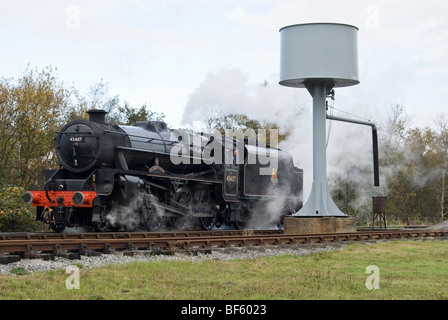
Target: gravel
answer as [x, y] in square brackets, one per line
[38, 265]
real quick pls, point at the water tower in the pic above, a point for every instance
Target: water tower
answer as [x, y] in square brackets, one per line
[319, 57]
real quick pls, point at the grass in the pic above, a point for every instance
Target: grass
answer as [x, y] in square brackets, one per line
[408, 270]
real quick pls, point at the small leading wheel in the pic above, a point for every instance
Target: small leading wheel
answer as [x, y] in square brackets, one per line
[58, 226]
[102, 226]
[105, 223]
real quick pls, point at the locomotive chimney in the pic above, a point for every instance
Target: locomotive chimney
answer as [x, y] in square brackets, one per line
[97, 115]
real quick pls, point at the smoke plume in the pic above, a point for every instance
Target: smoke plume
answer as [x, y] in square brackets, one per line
[230, 91]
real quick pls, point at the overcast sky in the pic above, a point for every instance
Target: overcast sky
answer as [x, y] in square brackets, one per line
[164, 53]
[192, 58]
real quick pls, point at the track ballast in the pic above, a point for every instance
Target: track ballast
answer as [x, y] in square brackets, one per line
[14, 246]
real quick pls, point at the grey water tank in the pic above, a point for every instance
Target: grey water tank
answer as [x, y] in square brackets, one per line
[319, 52]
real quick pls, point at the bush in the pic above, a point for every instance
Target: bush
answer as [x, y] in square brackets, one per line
[14, 214]
[20, 271]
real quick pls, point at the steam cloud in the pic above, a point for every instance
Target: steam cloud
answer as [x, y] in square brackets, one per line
[127, 216]
[131, 215]
[230, 91]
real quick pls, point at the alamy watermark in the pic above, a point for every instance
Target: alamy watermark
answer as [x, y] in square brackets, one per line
[72, 281]
[73, 17]
[229, 149]
[373, 281]
[372, 17]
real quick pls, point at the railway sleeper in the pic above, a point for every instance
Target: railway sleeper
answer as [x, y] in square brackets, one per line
[9, 258]
[85, 251]
[59, 252]
[46, 256]
[31, 253]
[108, 249]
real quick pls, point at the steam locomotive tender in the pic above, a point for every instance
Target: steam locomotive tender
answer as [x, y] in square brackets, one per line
[116, 176]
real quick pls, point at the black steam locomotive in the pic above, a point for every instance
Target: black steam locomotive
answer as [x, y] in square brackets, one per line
[148, 176]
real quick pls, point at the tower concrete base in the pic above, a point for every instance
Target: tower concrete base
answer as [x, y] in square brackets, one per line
[317, 225]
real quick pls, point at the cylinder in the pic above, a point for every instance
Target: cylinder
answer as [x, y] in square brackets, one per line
[323, 52]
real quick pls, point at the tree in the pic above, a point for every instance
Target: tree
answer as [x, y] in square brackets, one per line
[344, 193]
[236, 121]
[441, 153]
[413, 166]
[130, 115]
[31, 110]
[99, 97]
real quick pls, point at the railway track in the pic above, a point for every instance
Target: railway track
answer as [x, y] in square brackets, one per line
[132, 235]
[37, 245]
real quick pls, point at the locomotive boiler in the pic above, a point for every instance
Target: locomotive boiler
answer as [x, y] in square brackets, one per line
[148, 176]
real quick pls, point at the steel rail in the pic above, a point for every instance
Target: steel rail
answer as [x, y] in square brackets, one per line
[32, 247]
[131, 235]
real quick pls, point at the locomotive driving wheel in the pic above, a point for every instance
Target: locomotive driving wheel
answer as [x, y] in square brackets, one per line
[207, 223]
[202, 204]
[154, 216]
[182, 199]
